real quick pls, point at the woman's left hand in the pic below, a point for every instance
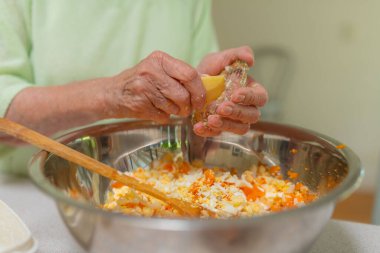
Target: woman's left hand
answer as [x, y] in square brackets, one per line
[243, 110]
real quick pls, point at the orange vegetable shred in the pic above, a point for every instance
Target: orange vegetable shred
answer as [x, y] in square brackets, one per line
[168, 166]
[274, 169]
[292, 175]
[209, 177]
[252, 193]
[117, 185]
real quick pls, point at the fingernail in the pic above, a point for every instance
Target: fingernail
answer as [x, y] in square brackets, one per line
[227, 110]
[200, 130]
[238, 98]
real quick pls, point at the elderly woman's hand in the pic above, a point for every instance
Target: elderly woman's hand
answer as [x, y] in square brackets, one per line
[158, 86]
[243, 109]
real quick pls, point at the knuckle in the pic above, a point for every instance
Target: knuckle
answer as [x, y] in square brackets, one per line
[227, 58]
[250, 100]
[164, 86]
[190, 74]
[161, 102]
[238, 113]
[138, 89]
[157, 54]
[139, 86]
[144, 69]
[165, 105]
[182, 98]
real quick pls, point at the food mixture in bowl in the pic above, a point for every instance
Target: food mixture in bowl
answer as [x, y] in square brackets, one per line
[259, 190]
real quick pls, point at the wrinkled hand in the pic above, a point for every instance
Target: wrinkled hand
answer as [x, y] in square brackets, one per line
[243, 109]
[158, 86]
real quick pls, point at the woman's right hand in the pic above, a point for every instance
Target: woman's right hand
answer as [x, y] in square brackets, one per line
[158, 86]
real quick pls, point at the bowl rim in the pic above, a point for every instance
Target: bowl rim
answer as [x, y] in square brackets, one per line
[350, 183]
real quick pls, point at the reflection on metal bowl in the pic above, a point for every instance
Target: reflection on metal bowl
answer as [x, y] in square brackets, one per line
[334, 172]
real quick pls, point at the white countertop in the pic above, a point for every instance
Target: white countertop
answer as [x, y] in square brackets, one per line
[40, 214]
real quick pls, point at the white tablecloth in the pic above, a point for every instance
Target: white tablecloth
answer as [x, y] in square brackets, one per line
[40, 214]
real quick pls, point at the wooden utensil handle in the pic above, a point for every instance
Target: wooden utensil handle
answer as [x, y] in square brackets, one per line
[23, 133]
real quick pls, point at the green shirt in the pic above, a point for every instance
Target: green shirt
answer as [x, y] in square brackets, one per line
[45, 42]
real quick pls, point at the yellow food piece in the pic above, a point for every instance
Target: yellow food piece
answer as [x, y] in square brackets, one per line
[214, 86]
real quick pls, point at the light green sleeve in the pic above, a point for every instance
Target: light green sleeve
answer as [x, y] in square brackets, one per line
[15, 66]
[15, 72]
[204, 35]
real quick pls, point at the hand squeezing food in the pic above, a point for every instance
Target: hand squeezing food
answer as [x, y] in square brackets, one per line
[220, 88]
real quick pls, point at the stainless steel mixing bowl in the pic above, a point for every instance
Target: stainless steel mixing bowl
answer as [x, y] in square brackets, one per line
[323, 167]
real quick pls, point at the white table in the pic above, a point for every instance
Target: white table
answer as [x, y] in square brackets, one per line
[40, 214]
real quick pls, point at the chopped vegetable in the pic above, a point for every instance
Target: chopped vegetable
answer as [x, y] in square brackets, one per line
[292, 175]
[341, 146]
[254, 192]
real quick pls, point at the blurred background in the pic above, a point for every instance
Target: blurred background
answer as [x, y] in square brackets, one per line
[320, 62]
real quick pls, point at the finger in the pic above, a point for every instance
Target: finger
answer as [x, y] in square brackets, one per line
[152, 113]
[242, 113]
[161, 102]
[175, 92]
[217, 123]
[254, 94]
[214, 63]
[202, 130]
[243, 53]
[186, 75]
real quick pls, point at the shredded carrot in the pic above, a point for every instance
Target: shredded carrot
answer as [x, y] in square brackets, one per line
[261, 180]
[194, 188]
[298, 186]
[252, 193]
[292, 175]
[225, 184]
[117, 185]
[341, 146]
[184, 168]
[289, 201]
[276, 206]
[168, 208]
[133, 205]
[209, 177]
[168, 166]
[299, 198]
[234, 171]
[309, 197]
[274, 169]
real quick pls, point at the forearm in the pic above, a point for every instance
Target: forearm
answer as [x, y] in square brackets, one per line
[55, 108]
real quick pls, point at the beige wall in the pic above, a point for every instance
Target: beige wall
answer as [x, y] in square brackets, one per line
[335, 54]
